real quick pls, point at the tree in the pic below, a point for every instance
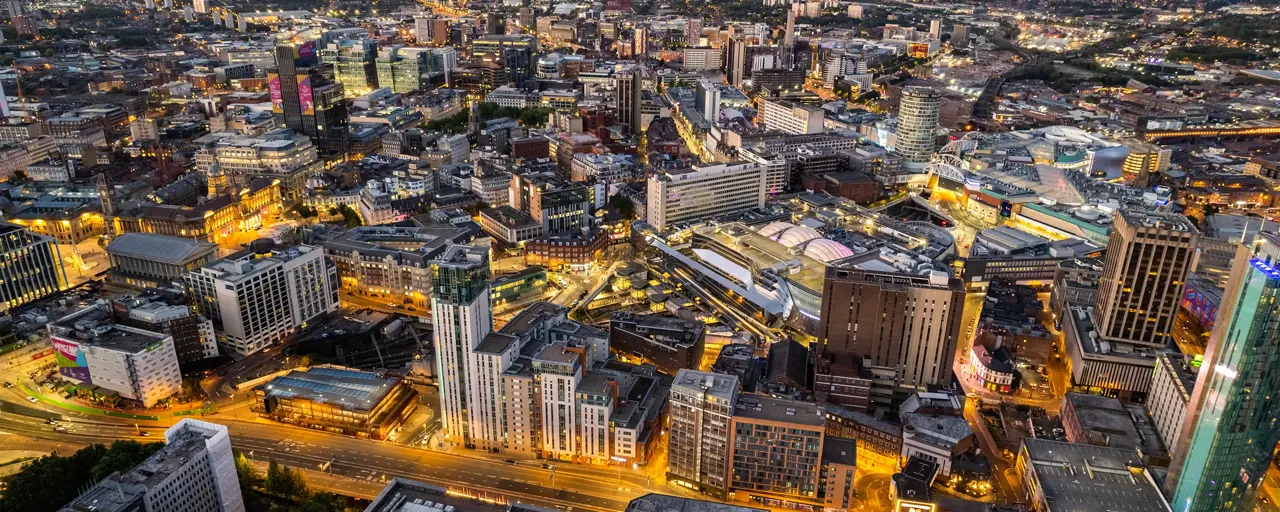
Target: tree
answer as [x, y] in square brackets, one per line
[246, 473]
[322, 502]
[349, 217]
[285, 483]
[53, 481]
[624, 205]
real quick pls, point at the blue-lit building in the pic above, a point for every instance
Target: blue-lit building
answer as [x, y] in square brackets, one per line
[1226, 443]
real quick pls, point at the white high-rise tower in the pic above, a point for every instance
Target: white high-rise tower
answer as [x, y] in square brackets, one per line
[462, 317]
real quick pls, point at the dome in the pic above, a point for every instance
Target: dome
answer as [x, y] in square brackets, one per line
[797, 235]
[827, 250]
[775, 228]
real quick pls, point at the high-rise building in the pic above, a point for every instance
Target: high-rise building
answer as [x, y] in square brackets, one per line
[305, 97]
[193, 335]
[917, 133]
[195, 471]
[1227, 438]
[699, 435]
[256, 298]
[640, 40]
[404, 69]
[790, 117]
[630, 93]
[1144, 161]
[201, 6]
[462, 317]
[353, 63]
[776, 450]
[1143, 277]
[422, 29]
[737, 61]
[701, 192]
[862, 321]
[960, 36]
[525, 18]
[138, 365]
[935, 29]
[787, 52]
[693, 31]
[30, 266]
[512, 54]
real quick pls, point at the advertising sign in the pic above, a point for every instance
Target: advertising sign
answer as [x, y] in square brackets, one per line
[277, 99]
[71, 360]
[304, 95]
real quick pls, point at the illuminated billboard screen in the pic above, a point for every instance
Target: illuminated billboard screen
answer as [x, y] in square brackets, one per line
[71, 360]
[277, 99]
[304, 95]
[307, 53]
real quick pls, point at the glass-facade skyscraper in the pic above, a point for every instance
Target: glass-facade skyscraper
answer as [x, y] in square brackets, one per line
[1233, 421]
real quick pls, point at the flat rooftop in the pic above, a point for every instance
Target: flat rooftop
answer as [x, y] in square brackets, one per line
[760, 407]
[1082, 477]
[353, 389]
[96, 326]
[654, 502]
[403, 495]
[720, 386]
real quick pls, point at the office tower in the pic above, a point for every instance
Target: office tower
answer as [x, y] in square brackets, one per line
[242, 23]
[525, 17]
[228, 19]
[257, 298]
[1226, 441]
[512, 54]
[140, 366]
[188, 14]
[305, 97]
[862, 319]
[693, 31]
[422, 29]
[193, 335]
[960, 36]
[30, 266]
[195, 471]
[168, 4]
[935, 29]
[707, 100]
[787, 52]
[462, 318]
[699, 437]
[918, 125]
[737, 61]
[630, 90]
[703, 191]
[640, 40]
[353, 64]
[1145, 272]
[201, 6]
[150, 5]
[404, 69]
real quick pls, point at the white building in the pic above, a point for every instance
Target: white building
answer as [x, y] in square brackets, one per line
[462, 317]
[703, 191]
[92, 349]
[701, 58]
[375, 204]
[194, 471]
[1171, 387]
[918, 125]
[256, 299]
[458, 146]
[790, 117]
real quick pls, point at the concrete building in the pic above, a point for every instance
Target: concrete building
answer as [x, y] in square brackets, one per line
[30, 266]
[1224, 447]
[669, 343]
[701, 192]
[133, 364]
[193, 335]
[790, 117]
[919, 348]
[1064, 477]
[1171, 388]
[1143, 276]
[934, 429]
[234, 161]
[1103, 421]
[462, 317]
[195, 471]
[700, 433]
[918, 125]
[148, 260]
[256, 299]
[391, 261]
[702, 58]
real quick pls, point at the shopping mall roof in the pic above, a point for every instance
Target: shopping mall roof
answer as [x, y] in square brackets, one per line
[353, 389]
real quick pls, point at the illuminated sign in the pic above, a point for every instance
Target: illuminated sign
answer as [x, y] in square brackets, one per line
[277, 99]
[71, 360]
[305, 99]
[914, 506]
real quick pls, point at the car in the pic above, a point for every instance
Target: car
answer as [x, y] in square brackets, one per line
[8, 384]
[32, 399]
[1265, 499]
[144, 434]
[546, 466]
[511, 461]
[59, 428]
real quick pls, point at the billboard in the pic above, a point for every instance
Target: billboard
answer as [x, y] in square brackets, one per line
[305, 99]
[277, 99]
[307, 54]
[71, 361]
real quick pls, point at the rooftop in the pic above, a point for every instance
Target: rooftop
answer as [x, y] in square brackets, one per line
[654, 502]
[246, 264]
[403, 495]
[760, 407]
[724, 387]
[96, 326]
[170, 250]
[1077, 477]
[354, 389]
